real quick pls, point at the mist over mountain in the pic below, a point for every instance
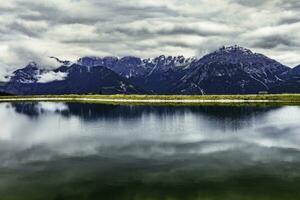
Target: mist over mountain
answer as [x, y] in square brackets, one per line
[228, 70]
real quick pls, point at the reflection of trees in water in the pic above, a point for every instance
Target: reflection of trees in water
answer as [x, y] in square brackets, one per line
[30, 109]
[224, 116]
[233, 117]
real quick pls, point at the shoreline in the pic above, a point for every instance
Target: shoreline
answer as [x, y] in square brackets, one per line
[144, 100]
[159, 99]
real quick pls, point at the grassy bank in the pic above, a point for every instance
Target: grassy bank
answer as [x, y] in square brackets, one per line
[275, 97]
[163, 99]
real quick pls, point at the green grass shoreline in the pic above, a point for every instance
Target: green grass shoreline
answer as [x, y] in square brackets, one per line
[270, 99]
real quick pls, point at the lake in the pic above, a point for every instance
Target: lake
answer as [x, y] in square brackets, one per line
[93, 151]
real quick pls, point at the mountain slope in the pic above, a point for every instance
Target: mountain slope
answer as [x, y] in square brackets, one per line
[291, 84]
[78, 80]
[155, 75]
[231, 70]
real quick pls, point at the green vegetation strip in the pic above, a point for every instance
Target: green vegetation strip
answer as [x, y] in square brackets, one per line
[162, 99]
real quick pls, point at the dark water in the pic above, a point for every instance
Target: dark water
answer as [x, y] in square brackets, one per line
[92, 151]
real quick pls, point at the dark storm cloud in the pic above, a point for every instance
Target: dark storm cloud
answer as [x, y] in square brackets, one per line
[69, 29]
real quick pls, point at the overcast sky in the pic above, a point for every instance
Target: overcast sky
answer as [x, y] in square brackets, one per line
[33, 30]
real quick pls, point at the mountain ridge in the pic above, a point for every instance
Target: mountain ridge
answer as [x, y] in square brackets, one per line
[228, 70]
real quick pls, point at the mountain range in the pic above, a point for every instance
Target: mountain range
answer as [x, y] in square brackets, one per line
[228, 70]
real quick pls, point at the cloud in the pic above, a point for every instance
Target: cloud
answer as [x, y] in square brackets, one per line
[35, 30]
[160, 28]
[289, 4]
[273, 41]
[51, 76]
[28, 28]
[252, 3]
[3, 72]
[77, 32]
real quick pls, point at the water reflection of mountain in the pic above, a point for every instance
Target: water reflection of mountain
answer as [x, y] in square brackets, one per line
[98, 111]
[60, 148]
[29, 109]
[226, 115]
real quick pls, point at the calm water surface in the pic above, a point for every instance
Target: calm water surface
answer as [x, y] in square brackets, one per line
[93, 151]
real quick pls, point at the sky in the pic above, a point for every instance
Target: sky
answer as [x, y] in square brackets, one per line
[34, 30]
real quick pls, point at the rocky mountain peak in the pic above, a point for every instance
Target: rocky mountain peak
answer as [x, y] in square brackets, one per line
[26, 75]
[228, 70]
[32, 66]
[97, 61]
[234, 49]
[64, 62]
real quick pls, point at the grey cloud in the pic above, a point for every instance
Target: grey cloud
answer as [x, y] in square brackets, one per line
[273, 41]
[25, 55]
[31, 30]
[288, 4]
[146, 12]
[59, 18]
[54, 15]
[289, 20]
[124, 8]
[178, 44]
[20, 28]
[251, 3]
[104, 11]
[144, 31]
[6, 10]
[82, 41]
